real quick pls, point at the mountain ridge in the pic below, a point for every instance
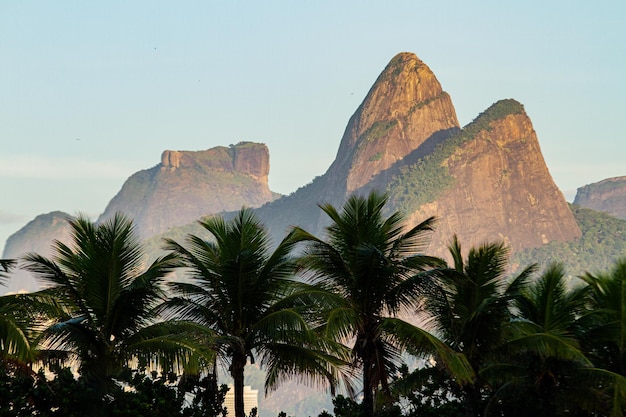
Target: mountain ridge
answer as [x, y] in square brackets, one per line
[189, 184]
[404, 139]
[607, 196]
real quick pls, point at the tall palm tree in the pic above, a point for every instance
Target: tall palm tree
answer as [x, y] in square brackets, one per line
[547, 366]
[470, 309]
[376, 268]
[103, 297]
[246, 294]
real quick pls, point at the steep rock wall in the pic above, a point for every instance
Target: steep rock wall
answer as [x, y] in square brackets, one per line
[608, 196]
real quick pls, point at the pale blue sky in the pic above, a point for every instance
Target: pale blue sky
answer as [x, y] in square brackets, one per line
[93, 92]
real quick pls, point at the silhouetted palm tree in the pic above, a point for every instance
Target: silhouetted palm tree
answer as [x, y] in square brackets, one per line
[103, 299]
[605, 326]
[376, 268]
[471, 309]
[5, 266]
[246, 294]
[547, 372]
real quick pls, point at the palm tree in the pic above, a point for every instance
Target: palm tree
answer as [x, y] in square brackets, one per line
[15, 322]
[607, 337]
[5, 266]
[246, 294]
[470, 309]
[375, 268]
[605, 326]
[101, 312]
[547, 369]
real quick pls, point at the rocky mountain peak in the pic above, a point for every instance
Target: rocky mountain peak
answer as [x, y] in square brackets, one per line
[608, 196]
[405, 109]
[187, 185]
[495, 185]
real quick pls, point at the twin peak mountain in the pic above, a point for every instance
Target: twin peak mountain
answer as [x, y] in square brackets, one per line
[485, 182]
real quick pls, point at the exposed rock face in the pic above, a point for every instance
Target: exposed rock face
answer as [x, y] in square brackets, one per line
[404, 115]
[188, 185]
[36, 236]
[608, 196]
[486, 182]
[502, 189]
[405, 109]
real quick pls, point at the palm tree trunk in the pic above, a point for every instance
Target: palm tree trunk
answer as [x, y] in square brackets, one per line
[236, 371]
[472, 400]
[368, 394]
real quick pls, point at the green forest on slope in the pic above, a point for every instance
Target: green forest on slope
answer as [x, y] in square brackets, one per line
[603, 241]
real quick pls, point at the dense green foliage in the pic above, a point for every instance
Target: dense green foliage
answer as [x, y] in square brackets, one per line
[27, 393]
[427, 178]
[603, 242]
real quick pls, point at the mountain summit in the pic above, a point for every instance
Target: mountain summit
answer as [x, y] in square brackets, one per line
[485, 182]
[187, 185]
[405, 109]
[488, 182]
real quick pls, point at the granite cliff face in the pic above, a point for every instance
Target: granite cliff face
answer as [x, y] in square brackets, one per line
[486, 182]
[404, 116]
[608, 196]
[500, 187]
[188, 185]
[405, 110]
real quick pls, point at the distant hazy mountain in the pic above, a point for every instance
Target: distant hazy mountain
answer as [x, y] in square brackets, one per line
[188, 185]
[36, 236]
[182, 188]
[608, 196]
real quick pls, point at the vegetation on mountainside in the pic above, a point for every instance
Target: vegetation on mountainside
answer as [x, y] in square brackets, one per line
[427, 178]
[377, 130]
[602, 243]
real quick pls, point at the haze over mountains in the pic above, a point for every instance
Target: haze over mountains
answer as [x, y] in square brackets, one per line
[484, 182]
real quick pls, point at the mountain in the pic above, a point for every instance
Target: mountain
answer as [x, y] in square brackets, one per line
[485, 182]
[36, 236]
[188, 185]
[488, 182]
[404, 116]
[608, 196]
[182, 188]
[405, 111]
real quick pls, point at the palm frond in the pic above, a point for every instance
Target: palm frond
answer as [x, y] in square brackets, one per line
[421, 342]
